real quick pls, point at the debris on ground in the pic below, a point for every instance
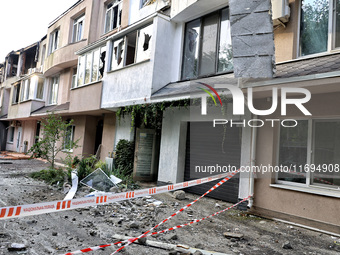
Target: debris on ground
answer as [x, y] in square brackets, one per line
[67, 231]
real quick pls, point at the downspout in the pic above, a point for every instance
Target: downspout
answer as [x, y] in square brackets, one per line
[252, 164]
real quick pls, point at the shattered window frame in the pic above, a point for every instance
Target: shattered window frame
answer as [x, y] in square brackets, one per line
[316, 155]
[125, 50]
[78, 28]
[113, 15]
[93, 71]
[200, 41]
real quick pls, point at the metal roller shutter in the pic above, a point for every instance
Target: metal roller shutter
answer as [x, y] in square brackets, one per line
[205, 147]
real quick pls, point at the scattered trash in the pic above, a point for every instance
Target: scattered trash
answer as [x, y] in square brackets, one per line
[17, 247]
[72, 191]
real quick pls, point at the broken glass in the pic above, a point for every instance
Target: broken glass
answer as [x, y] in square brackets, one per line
[99, 181]
[118, 54]
[144, 43]
[191, 47]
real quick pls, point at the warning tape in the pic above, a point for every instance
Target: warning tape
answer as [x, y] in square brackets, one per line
[95, 248]
[64, 205]
[128, 242]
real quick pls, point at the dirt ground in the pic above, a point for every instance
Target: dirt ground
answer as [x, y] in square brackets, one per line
[58, 233]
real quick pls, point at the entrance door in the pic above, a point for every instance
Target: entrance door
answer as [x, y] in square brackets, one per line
[19, 139]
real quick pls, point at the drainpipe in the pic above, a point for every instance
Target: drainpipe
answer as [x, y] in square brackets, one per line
[252, 164]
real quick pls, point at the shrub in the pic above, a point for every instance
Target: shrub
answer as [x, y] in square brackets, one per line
[124, 158]
[51, 176]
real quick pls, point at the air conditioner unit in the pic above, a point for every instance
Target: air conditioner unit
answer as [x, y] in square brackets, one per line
[280, 11]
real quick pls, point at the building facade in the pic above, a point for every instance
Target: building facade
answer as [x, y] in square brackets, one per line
[101, 56]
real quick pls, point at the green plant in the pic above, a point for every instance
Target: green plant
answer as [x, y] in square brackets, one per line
[86, 166]
[51, 176]
[56, 138]
[124, 157]
[151, 115]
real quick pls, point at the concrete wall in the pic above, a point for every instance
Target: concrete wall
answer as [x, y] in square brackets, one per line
[109, 131]
[304, 208]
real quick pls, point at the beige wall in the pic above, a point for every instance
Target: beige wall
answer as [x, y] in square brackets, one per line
[304, 208]
[108, 135]
[86, 98]
[286, 37]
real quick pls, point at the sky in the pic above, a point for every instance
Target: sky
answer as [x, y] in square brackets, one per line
[24, 22]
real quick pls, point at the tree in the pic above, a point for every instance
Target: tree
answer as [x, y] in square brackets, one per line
[57, 137]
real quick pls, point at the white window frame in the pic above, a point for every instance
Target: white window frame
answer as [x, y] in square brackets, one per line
[76, 34]
[83, 68]
[53, 90]
[331, 32]
[114, 4]
[310, 155]
[138, 36]
[54, 41]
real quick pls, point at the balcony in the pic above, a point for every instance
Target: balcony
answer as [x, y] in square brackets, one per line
[24, 109]
[63, 58]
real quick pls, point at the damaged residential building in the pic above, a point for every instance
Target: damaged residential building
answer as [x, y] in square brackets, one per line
[101, 56]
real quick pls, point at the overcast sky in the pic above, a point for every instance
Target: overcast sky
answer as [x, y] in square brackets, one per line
[24, 22]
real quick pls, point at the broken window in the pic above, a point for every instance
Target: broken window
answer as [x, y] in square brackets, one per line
[78, 29]
[133, 48]
[16, 93]
[113, 15]
[312, 149]
[102, 62]
[118, 54]
[202, 55]
[53, 98]
[144, 43]
[131, 40]
[90, 67]
[54, 41]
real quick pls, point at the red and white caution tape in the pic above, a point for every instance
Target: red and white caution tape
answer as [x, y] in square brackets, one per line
[128, 242]
[159, 232]
[181, 210]
[64, 205]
